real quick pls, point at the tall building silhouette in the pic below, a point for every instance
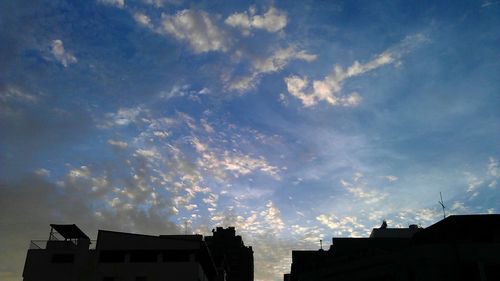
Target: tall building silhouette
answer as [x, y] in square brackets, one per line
[69, 255]
[230, 253]
[463, 247]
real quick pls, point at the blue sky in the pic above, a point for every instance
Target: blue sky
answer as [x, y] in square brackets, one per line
[292, 121]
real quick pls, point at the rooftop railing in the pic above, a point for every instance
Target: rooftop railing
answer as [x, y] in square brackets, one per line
[61, 244]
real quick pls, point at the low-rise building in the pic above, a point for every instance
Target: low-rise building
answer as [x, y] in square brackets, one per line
[457, 248]
[70, 255]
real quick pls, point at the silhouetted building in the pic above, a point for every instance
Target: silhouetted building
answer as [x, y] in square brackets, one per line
[69, 255]
[456, 248]
[231, 254]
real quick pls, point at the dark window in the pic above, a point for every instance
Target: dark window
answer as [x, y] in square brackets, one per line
[176, 256]
[141, 278]
[63, 258]
[144, 256]
[112, 256]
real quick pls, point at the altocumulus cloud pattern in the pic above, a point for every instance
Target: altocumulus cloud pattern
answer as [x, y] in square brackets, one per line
[292, 122]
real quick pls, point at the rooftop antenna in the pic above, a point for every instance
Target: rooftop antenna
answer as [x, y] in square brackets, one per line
[442, 205]
[321, 244]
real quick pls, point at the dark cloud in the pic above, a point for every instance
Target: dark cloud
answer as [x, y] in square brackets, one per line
[91, 199]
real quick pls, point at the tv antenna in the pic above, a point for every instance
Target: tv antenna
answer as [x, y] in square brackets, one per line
[442, 205]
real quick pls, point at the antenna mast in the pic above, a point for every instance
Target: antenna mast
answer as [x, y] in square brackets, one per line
[442, 205]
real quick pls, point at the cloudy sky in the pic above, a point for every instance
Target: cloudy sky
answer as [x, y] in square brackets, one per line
[293, 122]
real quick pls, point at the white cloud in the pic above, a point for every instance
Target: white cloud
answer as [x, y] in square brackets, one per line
[158, 3]
[280, 58]
[489, 3]
[427, 215]
[473, 183]
[345, 226]
[391, 178]
[200, 147]
[161, 134]
[196, 28]
[142, 19]
[273, 20]
[124, 116]
[360, 189]
[274, 63]
[61, 55]
[12, 93]
[190, 207]
[208, 128]
[148, 153]
[493, 169]
[116, 3]
[183, 91]
[330, 88]
[118, 144]
[42, 172]
[236, 163]
[273, 217]
[244, 164]
[211, 200]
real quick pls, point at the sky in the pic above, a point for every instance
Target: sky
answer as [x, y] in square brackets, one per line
[293, 121]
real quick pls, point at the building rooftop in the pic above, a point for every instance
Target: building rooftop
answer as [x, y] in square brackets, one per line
[69, 231]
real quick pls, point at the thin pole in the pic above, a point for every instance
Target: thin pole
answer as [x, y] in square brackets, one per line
[442, 204]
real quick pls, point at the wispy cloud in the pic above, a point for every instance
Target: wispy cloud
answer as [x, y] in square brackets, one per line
[273, 20]
[124, 116]
[235, 163]
[161, 3]
[61, 55]
[12, 93]
[343, 226]
[330, 88]
[360, 189]
[142, 19]
[278, 60]
[116, 3]
[196, 28]
[118, 144]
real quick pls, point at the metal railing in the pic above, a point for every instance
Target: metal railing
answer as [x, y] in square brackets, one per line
[42, 244]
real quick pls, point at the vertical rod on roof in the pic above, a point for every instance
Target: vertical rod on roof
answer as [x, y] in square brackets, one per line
[442, 204]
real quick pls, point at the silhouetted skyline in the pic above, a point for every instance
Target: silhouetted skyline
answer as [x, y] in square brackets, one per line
[70, 255]
[462, 247]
